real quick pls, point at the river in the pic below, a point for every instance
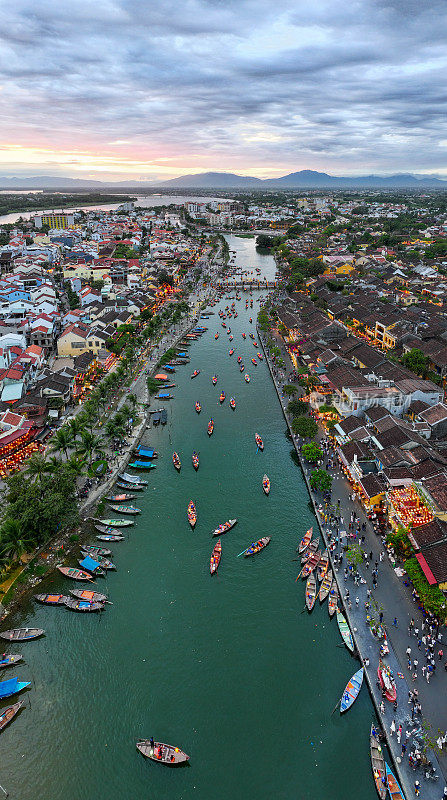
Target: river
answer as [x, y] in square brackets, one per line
[230, 668]
[145, 201]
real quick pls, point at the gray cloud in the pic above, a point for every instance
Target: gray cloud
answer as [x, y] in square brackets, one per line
[232, 82]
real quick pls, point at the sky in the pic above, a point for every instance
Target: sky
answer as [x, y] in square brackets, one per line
[153, 89]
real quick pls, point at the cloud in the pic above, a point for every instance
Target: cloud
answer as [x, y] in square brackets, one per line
[239, 85]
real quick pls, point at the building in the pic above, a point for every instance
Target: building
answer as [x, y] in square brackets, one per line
[54, 220]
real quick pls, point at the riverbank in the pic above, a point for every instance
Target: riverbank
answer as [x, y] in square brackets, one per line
[367, 646]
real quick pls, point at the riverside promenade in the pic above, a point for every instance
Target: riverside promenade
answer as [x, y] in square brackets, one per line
[368, 646]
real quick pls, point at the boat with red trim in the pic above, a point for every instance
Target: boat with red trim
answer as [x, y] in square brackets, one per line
[259, 441]
[192, 514]
[216, 555]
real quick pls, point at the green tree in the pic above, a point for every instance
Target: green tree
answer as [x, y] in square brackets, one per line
[416, 361]
[13, 543]
[321, 480]
[61, 441]
[290, 390]
[89, 445]
[312, 452]
[297, 408]
[305, 427]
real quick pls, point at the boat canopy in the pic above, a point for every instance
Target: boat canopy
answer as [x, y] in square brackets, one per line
[11, 686]
[161, 377]
[89, 564]
[142, 451]
[142, 464]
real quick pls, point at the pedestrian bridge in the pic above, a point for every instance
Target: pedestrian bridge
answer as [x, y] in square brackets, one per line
[248, 284]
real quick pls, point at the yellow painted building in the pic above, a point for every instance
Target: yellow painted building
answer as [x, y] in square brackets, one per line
[54, 220]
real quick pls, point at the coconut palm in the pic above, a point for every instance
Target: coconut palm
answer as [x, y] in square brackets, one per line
[37, 467]
[132, 399]
[61, 441]
[13, 543]
[75, 426]
[76, 464]
[89, 445]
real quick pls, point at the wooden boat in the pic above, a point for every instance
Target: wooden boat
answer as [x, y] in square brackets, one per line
[266, 484]
[51, 599]
[76, 574]
[216, 336]
[259, 441]
[230, 352]
[126, 509]
[394, 789]
[86, 594]
[326, 584]
[110, 537]
[195, 460]
[244, 335]
[333, 599]
[210, 427]
[195, 373]
[311, 591]
[134, 487]
[120, 498]
[260, 356]
[254, 362]
[127, 477]
[12, 686]
[313, 547]
[232, 403]
[95, 550]
[323, 565]
[83, 605]
[239, 360]
[142, 465]
[305, 541]
[103, 563]
[176, 461]
[164, 753]
[92, 566]
[224, 527]
[156, 418]
[214, 380]
[222, 396]
[116, 523]
[377, 763]
[216, 555]
[232, 337]
[351, 691]
[9, 660]
[256, 547]
[247, 378]
[310, 564]
[250, 334]
[198, 407]
[21, 634]
[345, 631]
[8, 714]
[386, 680]
[192, 514]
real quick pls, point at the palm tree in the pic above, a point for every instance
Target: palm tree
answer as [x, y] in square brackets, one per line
[89, 445]
[61, 441]
[37, 467]
[111, 429]
[76, 465]
[75, 426]
[126, 412]
[13, 543]
[132, 399]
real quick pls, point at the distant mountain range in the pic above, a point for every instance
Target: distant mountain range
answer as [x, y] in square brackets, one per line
[304, 179]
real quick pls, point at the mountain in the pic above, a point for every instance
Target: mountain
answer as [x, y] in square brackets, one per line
[214, 180]
[304, 179]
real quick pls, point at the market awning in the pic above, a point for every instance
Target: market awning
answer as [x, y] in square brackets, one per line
[426, 569]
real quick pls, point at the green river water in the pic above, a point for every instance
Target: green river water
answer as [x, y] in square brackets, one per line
[226, 667]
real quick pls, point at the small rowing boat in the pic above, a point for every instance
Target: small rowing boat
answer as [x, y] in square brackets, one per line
[305, 541]
[216, 336]
[253, 361]
[198, 407]
[311, 592]
[210, 427]
[323, 565]
[232, 403]
[310, 564]
[74, 604]
[241, 368]
[50, 599]
[127, 477]
[9, 661]
[256, 547]
[259, 441]
[12, 686]
[110, 537]
[231, 337]
[214, 380]
[260, 356]
[239, 359]
[247, 378]
[266, 484]
[377, 763]
[92, 566]
[86, 594]
[345, 631]
[394, 789]
[142, 464]
[230, 352]
[192, 514]
[176, 461]
[244, 335]
[134, 487]
[76, 574]
[216, 555]
[224, 527]
[116, 523]
[126, 509]
[8, 714]
[386, 680]
[95, 550]
[164, 753]
[195, 460]
[120, 498]
[21, 634]
[313, 547]
[195, 373]
[351, 691]
[222, 396]
[333, 599]
[325, 587]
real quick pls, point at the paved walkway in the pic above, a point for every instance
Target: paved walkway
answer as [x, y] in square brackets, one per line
[396, 601]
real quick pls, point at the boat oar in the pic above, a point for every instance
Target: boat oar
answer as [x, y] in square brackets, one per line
[241, 554]
[338, 703]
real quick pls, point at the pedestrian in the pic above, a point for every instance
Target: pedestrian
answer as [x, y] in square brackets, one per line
[414, 676]
[440, 654]
[404, 748]
[395, 622]
[415, 663]
[357, 601]
[428, 676]
[423, 670]
[392, 727]
[382, 708]
[416, 787]
[395, 705]
[399, 733]
[408, 651]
